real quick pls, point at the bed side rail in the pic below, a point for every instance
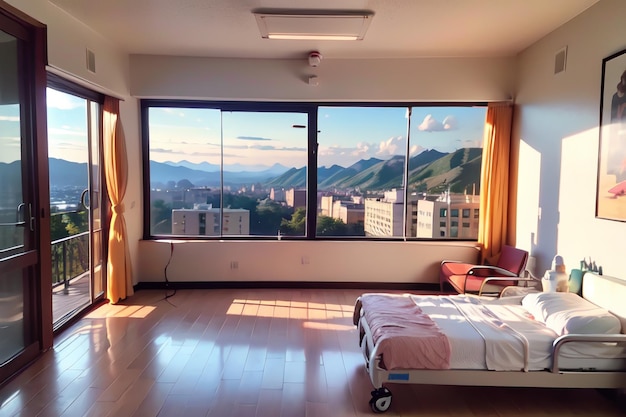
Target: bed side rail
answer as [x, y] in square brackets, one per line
[559, 342]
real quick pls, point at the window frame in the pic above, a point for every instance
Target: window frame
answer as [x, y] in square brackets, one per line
[309, 108]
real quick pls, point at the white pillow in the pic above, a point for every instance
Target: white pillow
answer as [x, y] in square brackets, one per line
[566, 312]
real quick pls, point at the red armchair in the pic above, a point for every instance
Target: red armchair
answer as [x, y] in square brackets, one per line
[479, 279]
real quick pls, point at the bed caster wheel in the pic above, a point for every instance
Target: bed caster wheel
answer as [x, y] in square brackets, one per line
[381, 400]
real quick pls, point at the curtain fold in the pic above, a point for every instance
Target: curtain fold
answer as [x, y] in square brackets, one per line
[494, 180]
[119, 275]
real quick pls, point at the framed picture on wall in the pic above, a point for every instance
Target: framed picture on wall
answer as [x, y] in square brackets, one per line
[611, 186]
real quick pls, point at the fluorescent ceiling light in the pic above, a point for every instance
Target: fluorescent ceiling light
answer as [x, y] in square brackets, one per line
[313, 37]
[313, 25]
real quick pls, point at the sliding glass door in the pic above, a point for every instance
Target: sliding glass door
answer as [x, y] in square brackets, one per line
[74, 138]
[22, 306]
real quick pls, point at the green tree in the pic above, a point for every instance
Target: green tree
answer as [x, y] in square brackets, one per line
[161, 217]
[268, 219]
[356, 229]
[76, 222]
[295, 226]
[328, 226]
[184, 184]
[57, 226]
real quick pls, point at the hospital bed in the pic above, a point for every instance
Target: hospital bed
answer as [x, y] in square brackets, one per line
[533, 340]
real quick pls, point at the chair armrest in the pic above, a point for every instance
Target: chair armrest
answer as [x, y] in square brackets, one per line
[450, 261]
[509, 278]
[515, 291]
[491, 269]
[590, 338]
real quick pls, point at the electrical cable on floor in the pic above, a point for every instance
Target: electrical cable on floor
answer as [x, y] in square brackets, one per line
[167, 281]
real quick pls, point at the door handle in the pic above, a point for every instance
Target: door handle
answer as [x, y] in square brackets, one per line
[18, 217]
[83, 199]
[31, 221]
[13, 224]
[19, 222]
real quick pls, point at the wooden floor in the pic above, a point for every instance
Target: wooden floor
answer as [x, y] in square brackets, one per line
[243, 353]
[66, 300]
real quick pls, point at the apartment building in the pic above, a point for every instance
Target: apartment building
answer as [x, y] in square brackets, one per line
[205, 221]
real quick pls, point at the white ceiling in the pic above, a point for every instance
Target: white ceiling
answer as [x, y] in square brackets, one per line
[399, 28]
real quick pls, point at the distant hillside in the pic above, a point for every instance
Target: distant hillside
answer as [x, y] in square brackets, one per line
[430, 171]
[345, 174]
[424, 158]
[457, 170]
[65, 173]
[62, 174]
[162, 173]
[295, 177]
[10, 184]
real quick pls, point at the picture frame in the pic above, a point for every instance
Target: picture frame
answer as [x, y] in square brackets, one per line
[611, 181]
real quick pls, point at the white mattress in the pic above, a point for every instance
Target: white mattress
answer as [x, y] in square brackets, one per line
[501, 335]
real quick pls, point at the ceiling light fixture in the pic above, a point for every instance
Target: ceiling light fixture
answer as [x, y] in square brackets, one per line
[313, 25]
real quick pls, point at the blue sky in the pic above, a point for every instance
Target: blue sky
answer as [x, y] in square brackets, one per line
[9, 133]
[67, 128]
[347, 134]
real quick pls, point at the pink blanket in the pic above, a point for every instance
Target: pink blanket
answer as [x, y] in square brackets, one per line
[406, 337]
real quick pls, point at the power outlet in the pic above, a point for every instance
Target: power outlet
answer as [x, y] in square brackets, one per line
[234, 264]
[304, 260]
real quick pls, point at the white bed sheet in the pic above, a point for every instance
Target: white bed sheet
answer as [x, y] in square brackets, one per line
[502, 348]
[469, 351]
[501, 321]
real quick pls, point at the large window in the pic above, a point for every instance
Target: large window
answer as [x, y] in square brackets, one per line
[226, 169]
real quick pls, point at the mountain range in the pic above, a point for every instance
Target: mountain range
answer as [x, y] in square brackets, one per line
[429, 171]
[62, 173]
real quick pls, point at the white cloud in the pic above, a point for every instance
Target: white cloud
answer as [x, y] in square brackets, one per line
[416, 149]
[66, 131]
[430, 124]
[62, 101]
[450, 123]
[9, 118]
[391, 146]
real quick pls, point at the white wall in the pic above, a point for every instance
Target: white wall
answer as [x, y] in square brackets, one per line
[358, 261]
[556, 124]
[463, 79]
[68, 40]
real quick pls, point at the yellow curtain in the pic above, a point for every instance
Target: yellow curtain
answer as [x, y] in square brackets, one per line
[119, 278]
[494, 180]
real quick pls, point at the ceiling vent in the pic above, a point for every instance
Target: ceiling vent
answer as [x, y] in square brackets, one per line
[560, 59]
[313, 25]
[91, 61]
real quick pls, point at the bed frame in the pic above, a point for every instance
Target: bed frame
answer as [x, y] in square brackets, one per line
[607, 292]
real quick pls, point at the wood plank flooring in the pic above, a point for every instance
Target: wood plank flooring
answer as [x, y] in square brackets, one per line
[244, 353]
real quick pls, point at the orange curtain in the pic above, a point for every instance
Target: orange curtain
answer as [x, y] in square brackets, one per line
[119, 278]
[494, 180]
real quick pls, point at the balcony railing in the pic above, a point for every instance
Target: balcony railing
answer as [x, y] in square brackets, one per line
[70, 259]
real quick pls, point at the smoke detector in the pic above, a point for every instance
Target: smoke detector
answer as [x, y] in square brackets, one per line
[315, 58]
